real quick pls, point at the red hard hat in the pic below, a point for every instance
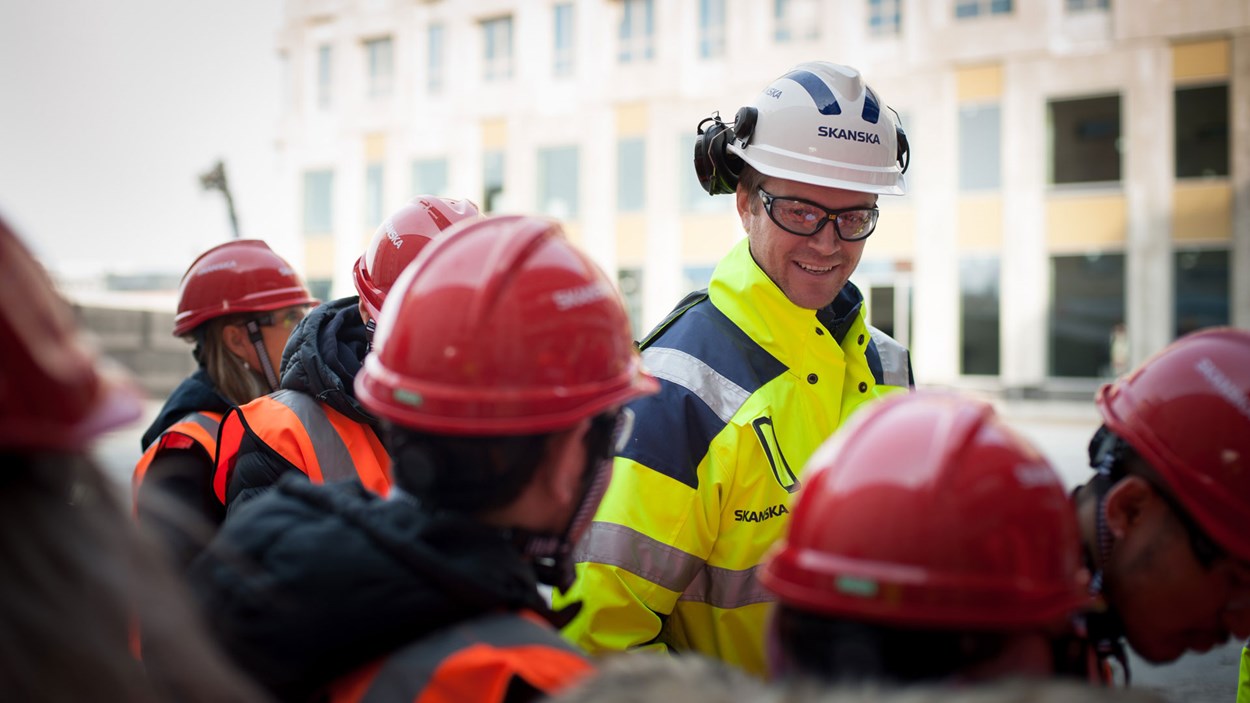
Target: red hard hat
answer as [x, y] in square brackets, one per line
[239, 276]
[926, 510]
[399, 239]
[502, 327]
[1186, 410]
[53, 395]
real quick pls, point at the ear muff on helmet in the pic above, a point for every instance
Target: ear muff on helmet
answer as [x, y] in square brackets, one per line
[716, 168]
[904, 149]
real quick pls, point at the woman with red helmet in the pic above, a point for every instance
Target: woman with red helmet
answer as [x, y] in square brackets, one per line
[238, 303]
[929, 543]
[1166, 518]
[503, 359]
[77, 573]
[314, 424]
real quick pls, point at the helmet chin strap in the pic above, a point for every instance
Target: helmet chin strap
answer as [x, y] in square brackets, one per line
[370, 327]
[258, 342]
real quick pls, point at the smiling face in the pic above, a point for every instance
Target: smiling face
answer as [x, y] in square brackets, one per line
[811, 271]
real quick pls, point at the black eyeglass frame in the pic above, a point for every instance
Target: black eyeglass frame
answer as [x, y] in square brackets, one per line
[830, 215]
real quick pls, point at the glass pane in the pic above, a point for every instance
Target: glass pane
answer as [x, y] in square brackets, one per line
[429, 177]
[630, 182]
[435, 79]
[1202, 138]
[979, 147]
[630, 282]
[979, 310]
[318, 202]
[1085, 138]
[1087, 314]
[492, 179]
[557, 181]
[1202, 289]
[373, 195]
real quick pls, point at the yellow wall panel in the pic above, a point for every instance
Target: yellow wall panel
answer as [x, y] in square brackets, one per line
[979, 83]
[1198, 60]
[1202, 212]
[894, 237]
[1081, 222]
[980, 223]
[709, 237]
[573, 231]
[494, 134]
[319, 256]
[631, 119]
[375, 146]
[631, 240]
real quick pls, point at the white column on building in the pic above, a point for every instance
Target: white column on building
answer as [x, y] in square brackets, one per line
[1148, 176]
[661, 273]
[1239, 115]
[1025, 266]
[599, 172]
[935, 347]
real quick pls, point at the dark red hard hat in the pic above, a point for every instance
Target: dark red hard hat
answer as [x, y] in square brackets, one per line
[239, 276]
[926, 510]
[1186, 410]
[54, 394]
[399, 239]
[501, 327]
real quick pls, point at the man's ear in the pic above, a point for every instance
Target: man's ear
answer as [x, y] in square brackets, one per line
[743, 200]
[1129, 501]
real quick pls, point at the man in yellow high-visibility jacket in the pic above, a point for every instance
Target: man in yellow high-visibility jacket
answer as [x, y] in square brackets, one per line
[756, 372]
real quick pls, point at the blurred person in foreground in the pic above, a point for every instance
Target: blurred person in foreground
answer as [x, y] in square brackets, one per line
[648, 678]
[931, 544]
[315, 425]
[1166, 518]
[77, 575]
[238, 303]
[502, 360]
[755, 373]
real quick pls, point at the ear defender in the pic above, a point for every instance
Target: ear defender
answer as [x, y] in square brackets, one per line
[715, 167]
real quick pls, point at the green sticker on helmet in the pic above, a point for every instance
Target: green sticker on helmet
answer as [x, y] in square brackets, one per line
[850, 585]
[407, 397]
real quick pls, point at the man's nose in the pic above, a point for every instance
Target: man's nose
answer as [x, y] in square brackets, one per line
[825, 241]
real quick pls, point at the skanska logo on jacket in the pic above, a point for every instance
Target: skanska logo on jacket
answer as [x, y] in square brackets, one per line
[768, 513]
[848, 134]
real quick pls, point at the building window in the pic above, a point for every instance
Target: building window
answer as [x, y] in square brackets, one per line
[979, 147]
[795, 20]
[434, 75]
[696, 277]
[630, 282]
[637, 31]
[1082, 5]
[318, 202]
[693, 198]
[1202, 132]
[381, 63]
[563, 49]
[1202, 289]
[492, 179]
[373, 194]
[1086, 314]
[630, 174]
[497, 49]
[319, 288]
[884, 17]
[557, 181]
[429, 177]
[325, 75]
[1085, 140]
[978, 315]
[976, 8]
[711, 28]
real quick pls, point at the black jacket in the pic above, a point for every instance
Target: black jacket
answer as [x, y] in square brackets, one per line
[321, 359]
[307, 583]
[196, 393]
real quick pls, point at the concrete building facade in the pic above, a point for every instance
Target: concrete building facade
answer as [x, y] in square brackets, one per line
[1079, 193]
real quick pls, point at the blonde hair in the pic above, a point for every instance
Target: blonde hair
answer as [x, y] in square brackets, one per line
[231, 375]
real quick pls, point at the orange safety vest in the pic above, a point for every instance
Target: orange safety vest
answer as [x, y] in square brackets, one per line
[196, 428]
[477, 660]
[318, 440]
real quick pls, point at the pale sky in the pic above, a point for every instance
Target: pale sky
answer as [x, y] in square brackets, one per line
[109, 111]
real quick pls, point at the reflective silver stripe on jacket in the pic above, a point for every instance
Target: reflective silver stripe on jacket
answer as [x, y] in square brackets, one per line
[332, 455]
[669, 567]
[894, 359]
[723, 396]
[207, 423]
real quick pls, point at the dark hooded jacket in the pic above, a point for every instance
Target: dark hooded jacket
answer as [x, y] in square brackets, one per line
[308, 583]
[321, 359]
[196, 393]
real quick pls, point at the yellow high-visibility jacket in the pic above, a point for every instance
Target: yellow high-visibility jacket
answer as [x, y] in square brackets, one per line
[1243, 680]
[751, 385]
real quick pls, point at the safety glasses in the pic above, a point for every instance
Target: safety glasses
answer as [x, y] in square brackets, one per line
[806, 218]
[287, 318]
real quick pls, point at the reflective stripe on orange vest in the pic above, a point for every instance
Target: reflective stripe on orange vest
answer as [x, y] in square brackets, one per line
[318, 440]
[201, 427]
[477, 660]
